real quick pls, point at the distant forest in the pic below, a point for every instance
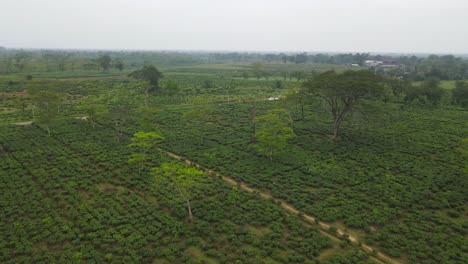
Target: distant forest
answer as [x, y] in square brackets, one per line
[409, 67]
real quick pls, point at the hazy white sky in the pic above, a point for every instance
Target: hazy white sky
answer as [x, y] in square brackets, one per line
[260, 25]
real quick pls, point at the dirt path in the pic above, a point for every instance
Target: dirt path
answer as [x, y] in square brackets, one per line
[324, 227]
[27, 123]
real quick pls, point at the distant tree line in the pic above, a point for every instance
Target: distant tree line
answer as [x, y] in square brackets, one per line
[410, 67]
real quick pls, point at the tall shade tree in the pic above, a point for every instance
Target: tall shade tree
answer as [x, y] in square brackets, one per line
[398, 86]
[253, 106]
[298, 97]
[21, 58]
[464, 152]
[273, 132]
[91, 107]
[460, 94]
[428, 93]
[104, 62]
[142, 143]
[120, 107]
[147, 118]
[45, 106]
[118, 64]
[181, 179]
[151, 75]
[257, 69]
[199, 118]
[342, 91]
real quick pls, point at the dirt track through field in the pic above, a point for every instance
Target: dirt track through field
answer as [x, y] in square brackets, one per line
[324, 228]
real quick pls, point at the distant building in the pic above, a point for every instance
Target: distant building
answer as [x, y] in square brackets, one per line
[383, 64]
[389, 64]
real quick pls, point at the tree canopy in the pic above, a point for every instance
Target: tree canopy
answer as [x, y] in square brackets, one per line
[460, 93]
[342, 91]
[428, 93]
[181, 179]
[104, 61]
[273, 132]
[150, 74]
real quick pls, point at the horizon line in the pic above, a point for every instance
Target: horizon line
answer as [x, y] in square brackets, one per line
[236, 51]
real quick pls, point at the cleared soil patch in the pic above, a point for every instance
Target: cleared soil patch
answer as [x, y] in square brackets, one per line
[27, 123]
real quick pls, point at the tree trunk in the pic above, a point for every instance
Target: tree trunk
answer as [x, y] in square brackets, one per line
[254, 124]
[254, 137]
[302, 111]
[146, 96]
[189, 209]
[291, 119]
[48, 130]
[336, 128]
[337, 124]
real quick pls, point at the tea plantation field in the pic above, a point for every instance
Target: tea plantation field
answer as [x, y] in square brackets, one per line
[72, 198]
[395, 179]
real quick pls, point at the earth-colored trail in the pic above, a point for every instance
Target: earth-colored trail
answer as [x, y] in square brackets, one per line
[324, 227]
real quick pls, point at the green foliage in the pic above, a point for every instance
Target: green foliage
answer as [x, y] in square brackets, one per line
[145, 140]
[147, 118]
[91, 107]
[365, 182]
[398, 86]
[349, 257]
[21, 58]
[273, 131]
[46, 106]
[142, 143]
[397, 175]
[464, 152]
[342, 91]
[460, 94]
[257, 69]
[428, 93]
[278, 85]
[104, 61]
[118, 64]
[150, 74]
[181, 178]
[171, 87]
[115, 215]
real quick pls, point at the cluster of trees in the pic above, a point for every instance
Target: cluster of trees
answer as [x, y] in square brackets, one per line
[258, 70]
[460, 93]
[150, 75]
[105, 62]
[343, 91]
[56, 60]
[418, 68]
[446, 67]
